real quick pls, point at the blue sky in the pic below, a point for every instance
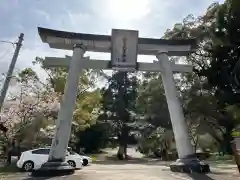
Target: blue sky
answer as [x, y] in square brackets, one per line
[150, 17]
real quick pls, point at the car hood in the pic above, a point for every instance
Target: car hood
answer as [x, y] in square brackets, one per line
[76, 156]
[85, 157]
[81, 156]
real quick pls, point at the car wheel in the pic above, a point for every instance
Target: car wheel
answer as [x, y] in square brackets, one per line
[85, 162]
[28, 166]
[72, 163]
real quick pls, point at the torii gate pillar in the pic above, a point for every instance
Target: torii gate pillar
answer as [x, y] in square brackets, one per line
[56, 164]
[187, 161]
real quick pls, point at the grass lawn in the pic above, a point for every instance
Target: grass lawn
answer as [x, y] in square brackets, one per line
[222, 159]
[94, 158]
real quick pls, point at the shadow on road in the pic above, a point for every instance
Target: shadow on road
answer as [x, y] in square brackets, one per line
[143, 161]
[196, 176]
[37, 178]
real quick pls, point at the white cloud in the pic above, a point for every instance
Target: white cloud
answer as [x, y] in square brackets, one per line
[125, 10]
[45, 15]
[7, 6]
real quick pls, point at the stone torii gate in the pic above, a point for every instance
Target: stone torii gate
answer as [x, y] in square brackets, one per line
[124, 46]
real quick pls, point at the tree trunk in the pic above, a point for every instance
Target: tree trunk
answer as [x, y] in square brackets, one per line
[125, 151]
[228, 139]
[8, 153]
[196, 145]
[195, 148]
[122, 151]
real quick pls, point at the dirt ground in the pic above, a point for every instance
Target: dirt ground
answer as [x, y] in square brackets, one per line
[138, 168]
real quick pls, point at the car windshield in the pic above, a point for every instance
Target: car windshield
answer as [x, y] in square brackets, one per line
[73, 152]
[70, 151]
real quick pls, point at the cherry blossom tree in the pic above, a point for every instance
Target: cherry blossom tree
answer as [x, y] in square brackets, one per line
[31, 107]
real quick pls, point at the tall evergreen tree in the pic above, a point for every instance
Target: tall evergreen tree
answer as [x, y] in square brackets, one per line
[225, 53]
[223, 72]
[118, 106]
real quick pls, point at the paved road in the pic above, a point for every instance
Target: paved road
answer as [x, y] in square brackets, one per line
[134, 171]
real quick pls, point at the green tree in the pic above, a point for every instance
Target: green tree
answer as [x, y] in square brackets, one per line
[93, 138]
[152, 105]
[151, 101]
[118, 105]
[88, 97]
[225, 53]
[217, 53]
[87, 104]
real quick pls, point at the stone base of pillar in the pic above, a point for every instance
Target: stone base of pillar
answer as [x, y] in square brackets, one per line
[189, 165]
[52, 169]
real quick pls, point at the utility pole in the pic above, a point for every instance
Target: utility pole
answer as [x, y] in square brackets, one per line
[10, 70]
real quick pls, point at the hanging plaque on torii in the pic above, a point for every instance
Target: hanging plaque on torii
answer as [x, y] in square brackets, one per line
[124, 50]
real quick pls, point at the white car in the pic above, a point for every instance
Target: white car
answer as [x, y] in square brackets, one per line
[33, 159]
[86, 159]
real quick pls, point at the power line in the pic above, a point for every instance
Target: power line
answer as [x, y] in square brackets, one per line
[4, 54]
[9, 42]
[7, 51]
